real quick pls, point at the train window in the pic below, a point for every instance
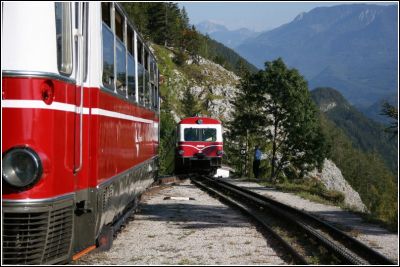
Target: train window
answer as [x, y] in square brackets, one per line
[64, 37]
[121, 68]
[140, 51]
[146, 59]
[108, 57]
[155, 97]
[147, 97]
[85, 36]
[131, 77]
[105, 12]
[151, 69]
[140, 84]
[154, 71]
[119, 25]
[200, 134]
[129, 41]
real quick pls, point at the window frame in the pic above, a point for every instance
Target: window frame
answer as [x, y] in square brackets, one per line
[199, 133]
[135, 51]
[65, 68]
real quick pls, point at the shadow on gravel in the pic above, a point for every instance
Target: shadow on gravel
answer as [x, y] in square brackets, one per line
[191, 216]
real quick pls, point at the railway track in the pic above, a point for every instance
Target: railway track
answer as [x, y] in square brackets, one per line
[308, 239]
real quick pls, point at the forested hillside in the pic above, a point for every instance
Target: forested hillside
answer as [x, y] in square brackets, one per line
[365, 134]
[168, 25]
[366, 173]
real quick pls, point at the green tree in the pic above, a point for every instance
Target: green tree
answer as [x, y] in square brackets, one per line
[391, 112]
[191, 43]
[242, 131]
[190, 106]
[167, 144]
[288, 119]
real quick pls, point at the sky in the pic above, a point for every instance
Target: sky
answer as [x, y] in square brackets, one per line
[256, 16]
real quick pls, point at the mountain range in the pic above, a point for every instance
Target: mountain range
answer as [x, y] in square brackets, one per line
[351, 47]
[230, 38]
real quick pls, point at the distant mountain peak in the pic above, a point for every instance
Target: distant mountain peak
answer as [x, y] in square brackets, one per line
[209, 26]
[328, 98]
[299, 16]
[327, 106]
[367, 16]
[230, 38]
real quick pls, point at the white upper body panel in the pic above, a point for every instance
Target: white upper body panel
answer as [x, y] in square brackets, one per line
[29, 37]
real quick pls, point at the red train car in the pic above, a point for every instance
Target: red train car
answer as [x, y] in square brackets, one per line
[199, 145]
[80, 126]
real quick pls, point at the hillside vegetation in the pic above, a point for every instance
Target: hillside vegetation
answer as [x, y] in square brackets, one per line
[364, 133]
[366, 173]
[166, 24]
[296, 137]
[191, 82]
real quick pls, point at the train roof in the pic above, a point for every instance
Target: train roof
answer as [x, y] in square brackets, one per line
[199, 120]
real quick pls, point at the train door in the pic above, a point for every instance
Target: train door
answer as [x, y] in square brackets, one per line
[84, 199]
[80, 36]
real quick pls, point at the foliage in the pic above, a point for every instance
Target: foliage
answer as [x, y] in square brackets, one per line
[190, 106]
[391, 112]
[167, 144]
[278, 104]
[365, 172]
[191, 43]
[241, 135]
[164, 23]
[364, 133]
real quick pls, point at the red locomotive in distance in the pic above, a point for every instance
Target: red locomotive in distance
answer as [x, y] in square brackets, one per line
[80, 126]
[199, 145]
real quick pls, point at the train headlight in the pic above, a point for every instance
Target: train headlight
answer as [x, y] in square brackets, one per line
[181, 152]
[220, 152]
[21, 167]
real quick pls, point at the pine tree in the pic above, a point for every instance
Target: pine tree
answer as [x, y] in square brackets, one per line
[391, 112]
[190, 106]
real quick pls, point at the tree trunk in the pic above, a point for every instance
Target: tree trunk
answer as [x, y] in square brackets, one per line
[274, 140]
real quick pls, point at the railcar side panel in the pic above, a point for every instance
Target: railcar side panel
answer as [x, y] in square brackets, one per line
[67, 209]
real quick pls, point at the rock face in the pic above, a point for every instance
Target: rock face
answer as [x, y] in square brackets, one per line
[219, 86]
[332, 178]
[212, 85]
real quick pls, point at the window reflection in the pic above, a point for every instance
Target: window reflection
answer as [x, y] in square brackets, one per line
[200, 134]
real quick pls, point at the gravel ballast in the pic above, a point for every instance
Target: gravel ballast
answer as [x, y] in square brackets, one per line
[170, 230]
[373, 236]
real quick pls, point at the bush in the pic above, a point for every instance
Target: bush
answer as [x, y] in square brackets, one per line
[180, 58]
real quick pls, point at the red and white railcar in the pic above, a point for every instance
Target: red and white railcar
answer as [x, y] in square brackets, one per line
[80, 126]
[199, 145]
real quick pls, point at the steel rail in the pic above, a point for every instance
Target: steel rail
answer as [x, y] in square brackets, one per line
[351, 251]
[357, 247]
[344, 256]
[297, 258]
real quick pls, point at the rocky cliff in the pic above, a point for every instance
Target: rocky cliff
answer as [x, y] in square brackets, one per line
[212, 85]
[332, 178]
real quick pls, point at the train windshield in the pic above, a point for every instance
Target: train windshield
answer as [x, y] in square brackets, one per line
[200, 134]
